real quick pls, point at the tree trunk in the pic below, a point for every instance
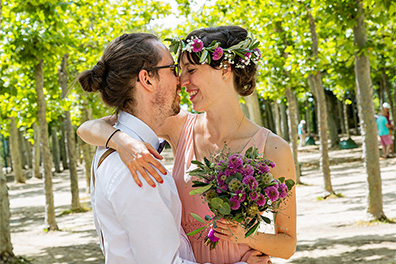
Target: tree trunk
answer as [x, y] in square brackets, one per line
[50, 221]
[269, 115]
[6, 250]
[15, 154]
[55, 148]
[331, 104]
[62, 146]
[71, 149]
[70, 138]
[277, 119]
[344, 107]
[253, 106]
[315, 81]
[22, 150]
[36, 153]
[367, 121]
[88, 150]
[293, 130]
[307, 118]
[28, 148]
[285, 126]
[354, 110]
[341, 116]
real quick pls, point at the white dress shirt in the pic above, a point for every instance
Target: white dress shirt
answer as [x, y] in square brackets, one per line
[136, 224]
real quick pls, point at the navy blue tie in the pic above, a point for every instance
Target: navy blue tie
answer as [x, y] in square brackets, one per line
[161, 145]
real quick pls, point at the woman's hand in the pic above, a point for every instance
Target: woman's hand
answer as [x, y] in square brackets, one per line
[256, 257]
[230, 231]
[138, 156]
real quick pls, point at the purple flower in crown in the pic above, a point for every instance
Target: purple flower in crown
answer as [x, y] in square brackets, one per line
[272, 193]
[217, 53]
[197, 45]
[253, 195]
[241, 195]
[248, 55]
[260, 200]
[283, 190]
[257, 52]
[251, 182]
[235, 203]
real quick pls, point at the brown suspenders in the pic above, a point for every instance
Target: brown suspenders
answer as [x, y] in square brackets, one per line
[102, 158]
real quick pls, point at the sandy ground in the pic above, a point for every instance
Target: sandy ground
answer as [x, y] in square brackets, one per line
[329, 231]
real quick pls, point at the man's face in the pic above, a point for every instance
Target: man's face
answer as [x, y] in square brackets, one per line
[167, 99]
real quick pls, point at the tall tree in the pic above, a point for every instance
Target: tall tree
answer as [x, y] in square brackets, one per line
[45, 149]
[15, 153]
[6, 250]
[366, 113]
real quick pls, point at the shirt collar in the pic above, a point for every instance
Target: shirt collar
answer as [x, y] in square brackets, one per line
[138, 127]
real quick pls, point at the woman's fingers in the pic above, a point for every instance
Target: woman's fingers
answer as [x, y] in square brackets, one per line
[153, 151]
[146, 177]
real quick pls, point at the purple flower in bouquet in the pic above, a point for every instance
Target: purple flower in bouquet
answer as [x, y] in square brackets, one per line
[222, 188]
[260, 200]
[272, 165]
[272, 193]
[251, 182]
[217, 53]
[235, 161]
[197, 45]
[221, 177]
[253, 195]
[263, 168]
[235, 204]
[230, 171]
[283, 190]
[247, 171]
[241, 195]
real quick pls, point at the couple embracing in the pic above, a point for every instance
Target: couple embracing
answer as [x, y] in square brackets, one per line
[142, 221]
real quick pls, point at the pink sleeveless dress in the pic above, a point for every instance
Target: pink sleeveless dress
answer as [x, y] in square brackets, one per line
[225, 252]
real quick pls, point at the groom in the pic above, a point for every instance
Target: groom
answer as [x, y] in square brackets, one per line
[136, 225]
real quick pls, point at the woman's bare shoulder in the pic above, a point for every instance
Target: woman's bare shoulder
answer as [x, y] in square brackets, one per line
[276, 146]
[173, 127]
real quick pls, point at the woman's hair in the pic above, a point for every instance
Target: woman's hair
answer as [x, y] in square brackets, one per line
[115, 73]
[244, 78]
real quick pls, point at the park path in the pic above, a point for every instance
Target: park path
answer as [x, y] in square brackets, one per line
[329, 231]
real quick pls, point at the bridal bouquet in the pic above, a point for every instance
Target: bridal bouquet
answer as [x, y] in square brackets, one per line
[237, 188]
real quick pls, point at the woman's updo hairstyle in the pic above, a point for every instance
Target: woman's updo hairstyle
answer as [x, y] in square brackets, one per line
[115, 74]
[244, 78]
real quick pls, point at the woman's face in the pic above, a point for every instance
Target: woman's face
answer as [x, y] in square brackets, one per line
[204, 84]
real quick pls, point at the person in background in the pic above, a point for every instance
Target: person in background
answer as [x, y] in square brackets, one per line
[383, 131]
[386, 108]
[301, 132]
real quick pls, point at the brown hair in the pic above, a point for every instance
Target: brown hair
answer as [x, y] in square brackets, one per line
[244, 78]
[115, 73]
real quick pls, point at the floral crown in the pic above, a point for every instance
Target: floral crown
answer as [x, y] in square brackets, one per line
[242, 54]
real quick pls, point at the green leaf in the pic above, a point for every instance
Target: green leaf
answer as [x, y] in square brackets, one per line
[196, 231]
[289, 183]
[196, 162]
[203, 56]
[200, 190]
[207, 162]
[198, 218]
[252, 230]
[225, 209]
[266, 219]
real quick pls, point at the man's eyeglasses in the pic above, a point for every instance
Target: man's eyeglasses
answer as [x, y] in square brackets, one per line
[175, 67]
